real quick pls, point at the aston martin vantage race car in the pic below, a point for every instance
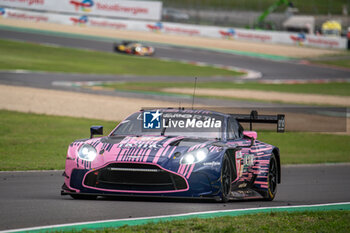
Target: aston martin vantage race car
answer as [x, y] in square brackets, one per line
[134, 48]
[176, 153]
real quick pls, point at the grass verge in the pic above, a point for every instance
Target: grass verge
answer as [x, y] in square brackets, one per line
[33, 142]
[308, 148]
[339, 60]
[28, 56]
[333, 88]
[36, 142]
[342, 62]
[315, 221]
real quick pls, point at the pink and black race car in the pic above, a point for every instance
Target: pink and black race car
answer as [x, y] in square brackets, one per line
[176, 153]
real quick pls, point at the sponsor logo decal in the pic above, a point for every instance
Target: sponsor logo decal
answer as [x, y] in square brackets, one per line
[152, 119]
[232, 33]
[212, 164]
[134, 156]
[80, 21]
[84, 5]
[191, 123]
[29, 2]
[228, 34]
[2, 12]
[181, 30]
[323, 41]
[24, 16]
[248, 160]
[253, 36]
[141, 142]
[107, 24]
[123, 9]
[300, 38]
[178, 121]
[157, 27]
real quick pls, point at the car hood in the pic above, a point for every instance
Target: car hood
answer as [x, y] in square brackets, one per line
[153, 142]
[147, 149]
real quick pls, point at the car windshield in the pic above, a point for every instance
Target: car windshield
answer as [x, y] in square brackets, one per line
[188, 124]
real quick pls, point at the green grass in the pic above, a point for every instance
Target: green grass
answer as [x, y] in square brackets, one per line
[341, 89]
[31, 141]
[35, 57]
[308, 148]
[337, 221]
[341, 59]
[35, 142]
[341, 62]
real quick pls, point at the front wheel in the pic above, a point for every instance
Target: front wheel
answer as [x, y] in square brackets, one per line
[272, 179]
[226, 178]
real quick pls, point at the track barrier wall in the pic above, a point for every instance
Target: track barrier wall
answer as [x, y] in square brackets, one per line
[146, 10]
[85, 20]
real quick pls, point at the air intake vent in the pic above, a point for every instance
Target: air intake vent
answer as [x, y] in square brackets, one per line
[135, 177]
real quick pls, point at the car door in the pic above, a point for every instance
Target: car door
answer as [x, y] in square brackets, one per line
[244, 157]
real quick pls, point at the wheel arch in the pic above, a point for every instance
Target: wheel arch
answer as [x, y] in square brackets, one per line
[232, 156]
[276, 152]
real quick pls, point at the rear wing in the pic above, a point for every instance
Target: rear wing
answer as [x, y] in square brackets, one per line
[253, 117]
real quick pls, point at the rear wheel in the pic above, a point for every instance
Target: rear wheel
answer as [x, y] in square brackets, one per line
[272, 179]
[226, 179]
[83, 197]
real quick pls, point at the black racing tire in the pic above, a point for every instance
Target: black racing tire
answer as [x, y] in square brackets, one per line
[226, 179]
[83, 197]
[272, 179]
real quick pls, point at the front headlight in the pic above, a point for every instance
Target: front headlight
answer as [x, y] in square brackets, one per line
[87, 152]
[194, 156]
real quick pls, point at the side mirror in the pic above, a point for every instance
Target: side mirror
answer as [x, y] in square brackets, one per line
[96, 130]
[251, 134]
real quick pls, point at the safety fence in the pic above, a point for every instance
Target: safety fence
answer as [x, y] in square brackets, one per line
[149, 10]
[260, 36]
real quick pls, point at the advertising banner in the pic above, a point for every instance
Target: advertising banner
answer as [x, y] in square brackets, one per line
[259, 36]
[148, 10]
[84, 20]
[317, 41]
[31, 16]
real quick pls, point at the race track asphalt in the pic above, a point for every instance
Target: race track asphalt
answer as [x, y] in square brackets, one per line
[29, 199]
[269, 68]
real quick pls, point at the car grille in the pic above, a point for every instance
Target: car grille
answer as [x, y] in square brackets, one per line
[135, 177]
